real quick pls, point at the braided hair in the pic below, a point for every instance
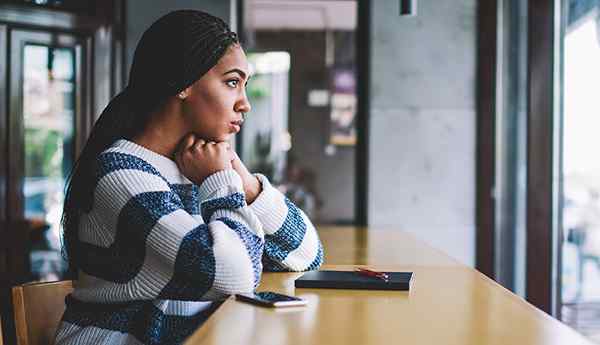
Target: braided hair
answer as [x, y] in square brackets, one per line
[174, 52]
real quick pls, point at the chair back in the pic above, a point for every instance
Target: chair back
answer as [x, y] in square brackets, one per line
[38, 308]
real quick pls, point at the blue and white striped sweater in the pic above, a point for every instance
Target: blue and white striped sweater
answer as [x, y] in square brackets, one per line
[158, 251]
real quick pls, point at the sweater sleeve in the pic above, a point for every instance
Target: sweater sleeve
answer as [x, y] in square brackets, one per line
[291, 240]
[161, 248]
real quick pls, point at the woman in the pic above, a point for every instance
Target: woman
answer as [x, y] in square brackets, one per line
[161, 219]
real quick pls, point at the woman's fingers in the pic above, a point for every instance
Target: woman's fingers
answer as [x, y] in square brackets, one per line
[188, 141]
[198, 145]
[191, 144]
[223, 144]
[199, 158]
[184, 145]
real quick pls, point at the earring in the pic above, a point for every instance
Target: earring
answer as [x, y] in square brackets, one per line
[181, 95]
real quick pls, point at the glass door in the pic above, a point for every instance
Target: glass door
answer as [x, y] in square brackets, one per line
[581, 169]
[45, 115]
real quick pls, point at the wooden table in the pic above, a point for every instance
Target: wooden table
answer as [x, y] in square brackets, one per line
[449, 303]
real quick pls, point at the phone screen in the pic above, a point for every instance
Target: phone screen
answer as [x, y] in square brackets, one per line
[272, 299]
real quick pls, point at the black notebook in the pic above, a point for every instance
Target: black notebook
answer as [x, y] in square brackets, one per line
[353, 280]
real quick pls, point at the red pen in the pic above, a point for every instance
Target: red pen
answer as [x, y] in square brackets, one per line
[370, 273]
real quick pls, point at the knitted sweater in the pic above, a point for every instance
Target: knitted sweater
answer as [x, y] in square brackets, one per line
[158, 252]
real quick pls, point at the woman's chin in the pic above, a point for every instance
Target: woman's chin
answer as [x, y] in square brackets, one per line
[219, 137]
[226, 137]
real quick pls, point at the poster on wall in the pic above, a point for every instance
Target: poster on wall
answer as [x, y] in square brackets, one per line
[343, 107]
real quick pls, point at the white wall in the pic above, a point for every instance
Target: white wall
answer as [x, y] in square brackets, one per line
[422, 123]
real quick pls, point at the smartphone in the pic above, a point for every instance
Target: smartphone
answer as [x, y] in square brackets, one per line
[271, 299]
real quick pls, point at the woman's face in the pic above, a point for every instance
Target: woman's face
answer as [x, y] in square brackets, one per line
[214, 105]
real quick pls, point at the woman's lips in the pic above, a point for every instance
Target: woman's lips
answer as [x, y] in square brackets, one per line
[235, 126]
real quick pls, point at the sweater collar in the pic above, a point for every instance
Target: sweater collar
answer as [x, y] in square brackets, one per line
[166, 166]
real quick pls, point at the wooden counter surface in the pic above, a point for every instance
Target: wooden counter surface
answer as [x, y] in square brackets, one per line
[449, 303]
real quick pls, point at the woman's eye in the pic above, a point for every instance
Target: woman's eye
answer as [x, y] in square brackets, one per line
[232, 83]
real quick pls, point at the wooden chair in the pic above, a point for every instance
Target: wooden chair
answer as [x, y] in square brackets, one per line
[1, 335]
[38, 308]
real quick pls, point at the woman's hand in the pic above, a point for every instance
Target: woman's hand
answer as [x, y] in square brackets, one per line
[252, 186]
[198, 159]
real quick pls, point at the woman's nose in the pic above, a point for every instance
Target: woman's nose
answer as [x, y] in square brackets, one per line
[243, 106]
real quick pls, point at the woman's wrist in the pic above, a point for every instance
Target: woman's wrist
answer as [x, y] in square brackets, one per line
[252, 187]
